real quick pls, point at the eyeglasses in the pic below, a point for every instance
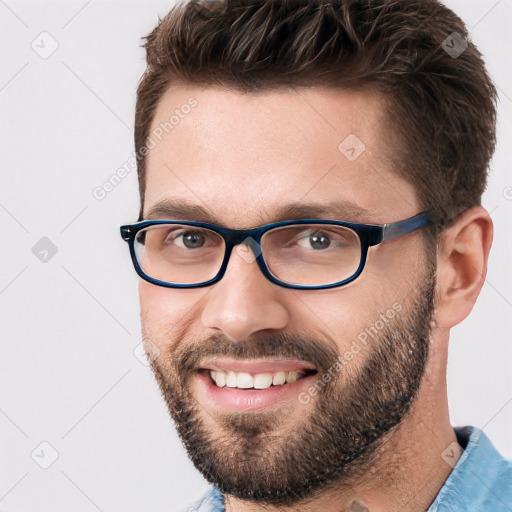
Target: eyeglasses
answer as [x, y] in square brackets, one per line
[300, 254]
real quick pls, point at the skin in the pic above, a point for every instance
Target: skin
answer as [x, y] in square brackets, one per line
[240, 157]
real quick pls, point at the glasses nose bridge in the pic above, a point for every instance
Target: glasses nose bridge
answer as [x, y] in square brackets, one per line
[250, 236]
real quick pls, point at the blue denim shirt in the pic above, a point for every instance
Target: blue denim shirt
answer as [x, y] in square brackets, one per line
[481, 481]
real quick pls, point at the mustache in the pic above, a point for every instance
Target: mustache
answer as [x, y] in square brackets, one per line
[320, 353]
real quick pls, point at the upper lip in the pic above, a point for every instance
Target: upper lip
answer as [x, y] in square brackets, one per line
[256, 365]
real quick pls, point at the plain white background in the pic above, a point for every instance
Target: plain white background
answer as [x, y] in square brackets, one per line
[69, 375]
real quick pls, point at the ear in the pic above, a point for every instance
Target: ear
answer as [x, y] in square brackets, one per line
[462, 255]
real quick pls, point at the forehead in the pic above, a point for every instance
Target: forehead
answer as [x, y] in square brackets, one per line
[244, 157]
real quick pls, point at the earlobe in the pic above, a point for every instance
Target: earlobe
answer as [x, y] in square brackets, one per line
[462, 257]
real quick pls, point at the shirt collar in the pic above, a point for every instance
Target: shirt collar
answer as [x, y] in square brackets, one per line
[481, 479]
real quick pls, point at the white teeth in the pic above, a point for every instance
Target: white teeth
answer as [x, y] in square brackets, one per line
[279, 378]
[220, 379]
[244, 380]
[262, 380]
[231, 380]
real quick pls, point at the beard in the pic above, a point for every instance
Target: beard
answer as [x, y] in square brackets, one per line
[334, 442]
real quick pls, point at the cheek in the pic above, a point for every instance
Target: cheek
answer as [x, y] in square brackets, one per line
[166, 313]
[338, 314]
[153, 301]
[345, 314]
[398, 267]
[160, 310]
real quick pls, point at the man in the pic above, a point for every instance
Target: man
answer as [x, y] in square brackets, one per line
[310, 230]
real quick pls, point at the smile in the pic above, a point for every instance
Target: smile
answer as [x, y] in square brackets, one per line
[252, 384]
[244, 380]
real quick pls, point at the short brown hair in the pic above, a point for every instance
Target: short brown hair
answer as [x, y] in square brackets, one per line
[439, 106]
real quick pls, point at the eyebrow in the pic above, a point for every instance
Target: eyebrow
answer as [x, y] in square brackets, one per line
[180, 209]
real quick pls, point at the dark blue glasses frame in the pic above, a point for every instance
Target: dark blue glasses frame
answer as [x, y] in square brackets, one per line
[369, 235]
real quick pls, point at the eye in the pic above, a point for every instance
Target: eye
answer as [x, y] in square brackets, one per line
[316, 240]
[187, 239]
[321, 239]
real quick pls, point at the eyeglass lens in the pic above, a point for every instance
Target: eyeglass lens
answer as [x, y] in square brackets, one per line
[303, 254]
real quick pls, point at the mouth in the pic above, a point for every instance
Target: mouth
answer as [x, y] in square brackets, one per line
[250, 385]
[246, 380]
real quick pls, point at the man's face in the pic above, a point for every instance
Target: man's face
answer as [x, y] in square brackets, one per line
[359, 350]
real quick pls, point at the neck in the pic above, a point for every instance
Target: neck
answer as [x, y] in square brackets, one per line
[408, 469]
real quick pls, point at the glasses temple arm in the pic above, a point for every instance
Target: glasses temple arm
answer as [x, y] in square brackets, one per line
[396, 229]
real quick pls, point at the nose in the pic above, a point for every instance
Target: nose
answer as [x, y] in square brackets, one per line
[244, 301]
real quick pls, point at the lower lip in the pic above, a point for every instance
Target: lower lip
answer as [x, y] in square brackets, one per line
[250, 399]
